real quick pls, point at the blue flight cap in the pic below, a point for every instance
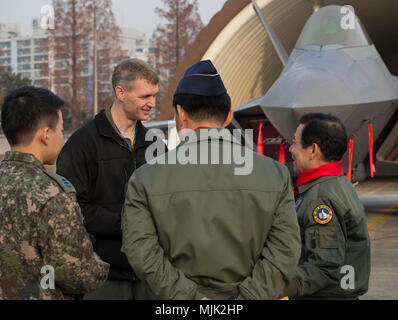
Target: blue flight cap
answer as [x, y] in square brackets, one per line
[201, 79]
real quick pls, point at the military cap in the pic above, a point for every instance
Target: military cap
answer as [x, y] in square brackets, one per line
[201, 79]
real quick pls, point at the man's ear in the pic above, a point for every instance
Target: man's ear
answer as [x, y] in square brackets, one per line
[229, 117]
[181, 114]
[43, 135]
[316, 151]
[120, 93]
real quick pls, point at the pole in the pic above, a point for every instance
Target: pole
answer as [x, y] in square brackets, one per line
[177, 36]
[95, 69]
[372, 168]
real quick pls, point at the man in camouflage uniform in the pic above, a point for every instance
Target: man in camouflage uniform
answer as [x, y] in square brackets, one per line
[45, 252]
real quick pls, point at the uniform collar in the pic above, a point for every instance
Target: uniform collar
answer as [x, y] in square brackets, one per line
[303, 188]
[23, 157]
[200, 134]
[310, 177]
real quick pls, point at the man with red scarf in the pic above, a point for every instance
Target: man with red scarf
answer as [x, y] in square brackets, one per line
[335, 255]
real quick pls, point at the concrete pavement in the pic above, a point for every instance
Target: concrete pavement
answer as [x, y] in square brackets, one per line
[380, 197]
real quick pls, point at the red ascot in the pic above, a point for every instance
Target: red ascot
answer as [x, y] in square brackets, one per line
[329, 169]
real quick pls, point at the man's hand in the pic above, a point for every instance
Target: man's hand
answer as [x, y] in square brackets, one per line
[292, 289]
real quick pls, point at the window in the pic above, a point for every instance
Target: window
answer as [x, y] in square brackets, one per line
[40, 65]
[41, 58]
[5, 45]
[41, 42]
[5, 61]
[23, 59]
[41, 49]
[24, 67]
[5, 53]
[23, 43]
[61, 64]
[323, 28]
[23, 52]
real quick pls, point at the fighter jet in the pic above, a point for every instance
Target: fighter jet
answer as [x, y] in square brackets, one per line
[333, 68]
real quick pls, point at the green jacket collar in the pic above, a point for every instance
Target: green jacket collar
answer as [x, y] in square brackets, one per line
[303, 188]
[205, 134]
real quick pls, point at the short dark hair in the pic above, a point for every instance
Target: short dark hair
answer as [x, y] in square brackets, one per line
[25, 109]
[201, 108]
[327, 131]
[132, 69]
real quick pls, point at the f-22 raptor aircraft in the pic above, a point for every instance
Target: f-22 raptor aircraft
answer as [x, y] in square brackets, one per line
[334, 68]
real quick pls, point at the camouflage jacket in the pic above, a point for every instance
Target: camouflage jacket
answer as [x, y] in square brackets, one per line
[41, 226]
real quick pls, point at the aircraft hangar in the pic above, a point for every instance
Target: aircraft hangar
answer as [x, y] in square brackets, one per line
[242, 52]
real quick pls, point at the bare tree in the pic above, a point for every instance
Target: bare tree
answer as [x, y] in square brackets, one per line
[109, 51]
[85, 40]
[2, 67]
[171, 38]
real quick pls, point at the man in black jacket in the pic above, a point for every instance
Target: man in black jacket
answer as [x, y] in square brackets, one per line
[99, 159]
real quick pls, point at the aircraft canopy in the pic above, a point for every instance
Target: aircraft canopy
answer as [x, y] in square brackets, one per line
[333, 26]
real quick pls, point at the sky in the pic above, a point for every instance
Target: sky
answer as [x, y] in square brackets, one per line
[138, 14]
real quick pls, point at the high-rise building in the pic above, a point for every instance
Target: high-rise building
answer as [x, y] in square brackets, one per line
[9, 30]
[134, 44]
[29, 55]
[24, 55]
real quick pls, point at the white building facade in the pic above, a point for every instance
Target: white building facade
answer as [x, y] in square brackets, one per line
[26, 55]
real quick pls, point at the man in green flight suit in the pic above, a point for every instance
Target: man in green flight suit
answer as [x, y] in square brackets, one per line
[201, 229]
[335, 256]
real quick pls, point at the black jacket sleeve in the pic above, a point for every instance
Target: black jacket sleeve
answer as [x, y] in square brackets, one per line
[78, 163]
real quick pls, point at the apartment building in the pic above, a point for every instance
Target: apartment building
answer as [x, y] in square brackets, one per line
[30, 56]
[24, 55]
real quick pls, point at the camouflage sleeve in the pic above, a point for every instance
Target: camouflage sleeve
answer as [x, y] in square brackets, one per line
[280, 255]
[66, 246]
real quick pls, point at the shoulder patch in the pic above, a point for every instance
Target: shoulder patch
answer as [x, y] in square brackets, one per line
[63, 182]
[322, 214]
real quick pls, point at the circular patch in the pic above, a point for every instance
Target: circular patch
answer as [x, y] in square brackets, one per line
[322, 214]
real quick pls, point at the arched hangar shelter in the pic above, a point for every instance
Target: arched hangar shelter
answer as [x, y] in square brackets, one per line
[239, 47]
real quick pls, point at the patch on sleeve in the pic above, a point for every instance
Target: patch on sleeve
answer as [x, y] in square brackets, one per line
[322, 214]
[63, 182]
